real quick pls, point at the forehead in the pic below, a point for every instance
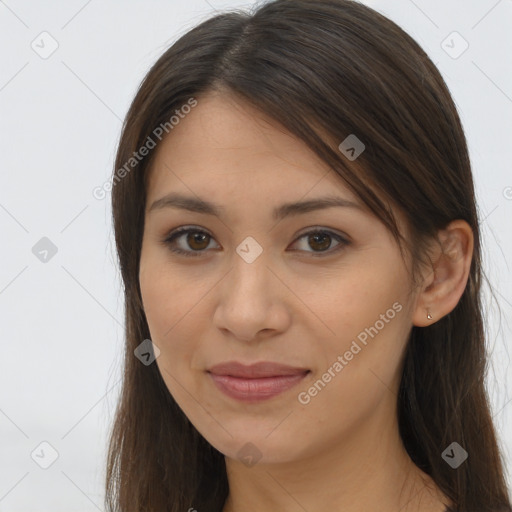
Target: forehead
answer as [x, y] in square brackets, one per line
[225, 145]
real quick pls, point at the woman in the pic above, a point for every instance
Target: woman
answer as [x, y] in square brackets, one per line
[296, 227]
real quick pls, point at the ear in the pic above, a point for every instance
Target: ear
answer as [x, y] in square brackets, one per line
[445, 282]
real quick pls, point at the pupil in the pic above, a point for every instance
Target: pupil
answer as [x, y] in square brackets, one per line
[321, 239]
[197, 237]
[321, 236]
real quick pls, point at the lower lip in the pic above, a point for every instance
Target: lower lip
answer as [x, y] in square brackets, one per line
[255, 390]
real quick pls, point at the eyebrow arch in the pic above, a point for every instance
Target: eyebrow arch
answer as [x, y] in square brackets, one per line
[193, 204]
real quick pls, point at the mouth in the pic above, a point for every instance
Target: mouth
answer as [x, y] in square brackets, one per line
[255, 382]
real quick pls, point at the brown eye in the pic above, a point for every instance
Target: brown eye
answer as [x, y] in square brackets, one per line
[196, 240]
[319, 241]
[188, 241]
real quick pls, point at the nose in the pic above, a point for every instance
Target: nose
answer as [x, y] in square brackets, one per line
[253, 303]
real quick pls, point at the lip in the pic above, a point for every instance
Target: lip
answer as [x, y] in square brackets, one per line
[255, 382]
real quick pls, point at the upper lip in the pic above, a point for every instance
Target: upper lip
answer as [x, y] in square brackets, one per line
[255, 370]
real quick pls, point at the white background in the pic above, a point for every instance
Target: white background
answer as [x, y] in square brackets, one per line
[61, 321]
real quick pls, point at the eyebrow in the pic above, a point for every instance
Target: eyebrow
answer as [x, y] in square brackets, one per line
[194, 204]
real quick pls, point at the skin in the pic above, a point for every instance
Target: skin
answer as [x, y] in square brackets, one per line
[341, 450]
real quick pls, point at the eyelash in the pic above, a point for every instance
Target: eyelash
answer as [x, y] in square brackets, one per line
[169, 241]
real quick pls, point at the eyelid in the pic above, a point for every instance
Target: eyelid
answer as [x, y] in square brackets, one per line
[322, 229]
[176, 233]
[342, 239]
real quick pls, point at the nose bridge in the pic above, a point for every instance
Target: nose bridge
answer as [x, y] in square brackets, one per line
[250, 277]
[250, 299]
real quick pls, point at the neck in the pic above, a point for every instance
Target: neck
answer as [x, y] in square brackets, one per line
[366, 470]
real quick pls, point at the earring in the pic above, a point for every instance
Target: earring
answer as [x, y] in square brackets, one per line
[429, 316]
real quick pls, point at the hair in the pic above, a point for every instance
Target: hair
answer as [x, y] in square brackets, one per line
[323, 69]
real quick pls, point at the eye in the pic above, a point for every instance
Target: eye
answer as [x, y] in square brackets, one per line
[198, 240]
[321, 241]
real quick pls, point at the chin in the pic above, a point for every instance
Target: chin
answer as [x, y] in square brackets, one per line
[257, 449]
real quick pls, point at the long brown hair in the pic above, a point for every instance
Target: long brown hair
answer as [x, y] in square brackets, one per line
[324, 69]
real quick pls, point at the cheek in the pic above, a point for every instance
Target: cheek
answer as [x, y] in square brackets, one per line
[355, 379]
[347, 300]
[170, 296]
[366, 317]
[166, 305]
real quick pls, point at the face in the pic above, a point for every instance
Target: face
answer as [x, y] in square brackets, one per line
[323, 291]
